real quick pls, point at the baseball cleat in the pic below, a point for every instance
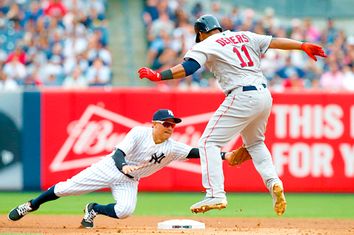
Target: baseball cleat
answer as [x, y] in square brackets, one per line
[207, 204]
[279, 202]
[90, 214]
[20, 211]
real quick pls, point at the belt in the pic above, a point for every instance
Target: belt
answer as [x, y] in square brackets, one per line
[249, 88]
[252, 88]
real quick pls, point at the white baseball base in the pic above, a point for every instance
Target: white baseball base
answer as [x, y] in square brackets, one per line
[180, 224]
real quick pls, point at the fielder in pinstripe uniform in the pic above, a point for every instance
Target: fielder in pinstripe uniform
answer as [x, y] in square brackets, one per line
[143, 151]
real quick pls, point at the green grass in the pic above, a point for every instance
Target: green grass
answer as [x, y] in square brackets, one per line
[177, 204]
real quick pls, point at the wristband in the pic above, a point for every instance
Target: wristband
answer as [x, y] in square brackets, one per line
[166, 74]
[223, 155]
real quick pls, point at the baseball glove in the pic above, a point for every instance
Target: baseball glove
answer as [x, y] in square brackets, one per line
[238, 156]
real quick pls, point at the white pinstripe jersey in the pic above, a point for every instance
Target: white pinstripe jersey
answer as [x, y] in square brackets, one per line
[140, 149]
[233, 57]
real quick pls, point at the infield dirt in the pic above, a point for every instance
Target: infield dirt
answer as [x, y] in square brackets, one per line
[51, 224]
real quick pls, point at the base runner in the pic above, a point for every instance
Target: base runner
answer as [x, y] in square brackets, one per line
[235, 60]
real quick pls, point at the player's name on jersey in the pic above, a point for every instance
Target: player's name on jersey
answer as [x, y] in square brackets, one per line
[235, 39]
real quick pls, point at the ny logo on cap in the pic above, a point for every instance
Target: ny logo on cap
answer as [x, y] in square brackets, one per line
[170, 113]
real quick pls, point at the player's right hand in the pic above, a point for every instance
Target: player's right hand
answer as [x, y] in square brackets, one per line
[149, 74]
[312, 50]
[129, 169]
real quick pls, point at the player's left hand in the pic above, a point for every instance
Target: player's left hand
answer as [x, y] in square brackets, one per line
[238, 156]
[149, 74]
[312, 50]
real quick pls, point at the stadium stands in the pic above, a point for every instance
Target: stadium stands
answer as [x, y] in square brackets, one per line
[66, 43]
[283, 69]
[47, 42]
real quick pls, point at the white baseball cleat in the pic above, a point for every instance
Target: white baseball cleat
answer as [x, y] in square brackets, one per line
[209, 203]
[279, 202]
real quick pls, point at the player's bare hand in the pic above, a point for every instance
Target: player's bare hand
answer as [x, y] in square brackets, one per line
[312, 50]
[129, 169]
[149, 74]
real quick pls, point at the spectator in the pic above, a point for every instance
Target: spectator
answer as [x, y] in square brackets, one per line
[98, 74]
[293, 81]
[150, 13]
[7, 83]
[248, 20]
[156, 49]
[15, 70]
[33, 79]
[333, 79]
[73, 61]
[330, 33]
[34, 12]
[162, 23]
[290, 70]
[348, 78]
[311, 32]
[19, 54]
[54, 72]
[216, 9]
[197, 10]
[75, 80]
[96, 50]
[269, 22]
[55, 9]
[313, 74]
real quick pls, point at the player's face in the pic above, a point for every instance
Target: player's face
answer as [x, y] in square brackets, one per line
[164, 129]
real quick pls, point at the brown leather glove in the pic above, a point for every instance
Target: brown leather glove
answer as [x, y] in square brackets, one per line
[238, 156]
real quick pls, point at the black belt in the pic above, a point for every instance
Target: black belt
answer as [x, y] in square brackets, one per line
[249, 88]
[252, 88]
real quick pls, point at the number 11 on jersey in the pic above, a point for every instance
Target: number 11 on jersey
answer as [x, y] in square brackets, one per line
[244, 51]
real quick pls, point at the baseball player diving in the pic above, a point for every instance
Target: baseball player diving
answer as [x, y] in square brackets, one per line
[143, 151]
[234, 58]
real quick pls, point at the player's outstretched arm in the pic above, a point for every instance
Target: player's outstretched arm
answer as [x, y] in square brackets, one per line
[233, 158]
[312, 50]
[179, 71]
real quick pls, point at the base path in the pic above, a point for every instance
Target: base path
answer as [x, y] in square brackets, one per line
[69, 224]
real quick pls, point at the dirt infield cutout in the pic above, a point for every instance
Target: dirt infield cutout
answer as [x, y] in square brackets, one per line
[52, 224]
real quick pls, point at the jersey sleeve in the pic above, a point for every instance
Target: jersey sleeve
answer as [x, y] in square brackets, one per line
[260, 41]
[197, 54]
[180, 150]
[129, 141]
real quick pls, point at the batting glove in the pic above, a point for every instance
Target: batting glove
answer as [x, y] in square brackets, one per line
[149, 74]
[312, 50]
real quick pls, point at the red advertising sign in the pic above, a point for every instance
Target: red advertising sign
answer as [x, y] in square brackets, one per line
[309, 135]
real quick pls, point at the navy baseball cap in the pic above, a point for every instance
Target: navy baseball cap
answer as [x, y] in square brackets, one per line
[163, 114]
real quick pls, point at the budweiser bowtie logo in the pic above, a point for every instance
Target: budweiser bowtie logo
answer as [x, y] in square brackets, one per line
[95, 134]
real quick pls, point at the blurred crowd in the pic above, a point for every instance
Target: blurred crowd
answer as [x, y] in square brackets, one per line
[170, 33]
[54, 43]
[65, 43]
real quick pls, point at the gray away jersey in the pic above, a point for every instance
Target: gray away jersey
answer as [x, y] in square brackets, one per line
[233, 57]
[141, 150]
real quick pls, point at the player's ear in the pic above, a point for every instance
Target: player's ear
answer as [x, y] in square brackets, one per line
[200, 36]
